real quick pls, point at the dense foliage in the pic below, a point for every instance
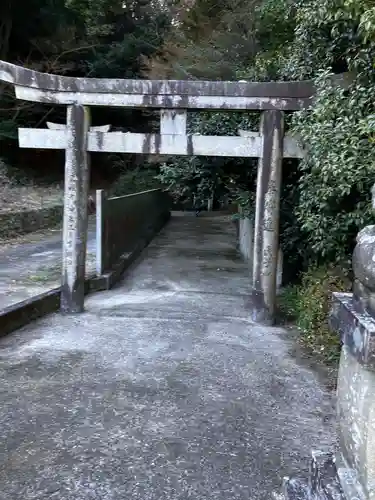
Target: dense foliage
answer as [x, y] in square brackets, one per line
[326, 197]
[308, 305]
[337, 174]
[199, 177]
[338, 171]
[96, 38]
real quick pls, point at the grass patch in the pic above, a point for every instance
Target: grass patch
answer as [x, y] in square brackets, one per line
[308, 305]
[52, 272]
[46, 274]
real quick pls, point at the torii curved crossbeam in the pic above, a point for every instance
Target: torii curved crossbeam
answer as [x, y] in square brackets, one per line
[53, 89]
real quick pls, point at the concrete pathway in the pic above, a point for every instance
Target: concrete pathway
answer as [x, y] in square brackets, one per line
[27, 269]
[163, 390]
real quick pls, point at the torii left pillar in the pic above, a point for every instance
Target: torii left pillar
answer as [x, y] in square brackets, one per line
[77, 174]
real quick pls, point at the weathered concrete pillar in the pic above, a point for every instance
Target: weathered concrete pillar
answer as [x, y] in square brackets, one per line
[246, 237]
[246, 243]
[267, 213]
[75, 210]
[102, 251]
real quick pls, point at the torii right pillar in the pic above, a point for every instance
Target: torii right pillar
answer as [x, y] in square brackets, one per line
[267, 217]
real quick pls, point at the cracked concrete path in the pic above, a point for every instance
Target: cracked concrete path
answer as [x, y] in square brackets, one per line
[162, 390]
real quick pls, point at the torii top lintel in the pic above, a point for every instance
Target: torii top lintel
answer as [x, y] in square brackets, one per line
[169, 94]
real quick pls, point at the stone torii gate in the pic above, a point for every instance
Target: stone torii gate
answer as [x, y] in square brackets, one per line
[173, 99]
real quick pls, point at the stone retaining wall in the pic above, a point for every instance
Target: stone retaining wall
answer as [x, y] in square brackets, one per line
[16, 223]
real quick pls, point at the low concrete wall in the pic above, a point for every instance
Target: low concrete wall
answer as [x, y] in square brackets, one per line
[27, 221]
[124, 224]
[22, 313]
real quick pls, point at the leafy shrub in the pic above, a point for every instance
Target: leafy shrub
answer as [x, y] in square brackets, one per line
[188, 178]
[332, 196]
[135, 181]
[327, 198]
[292, 239]
[308, 304]
[338, 170]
